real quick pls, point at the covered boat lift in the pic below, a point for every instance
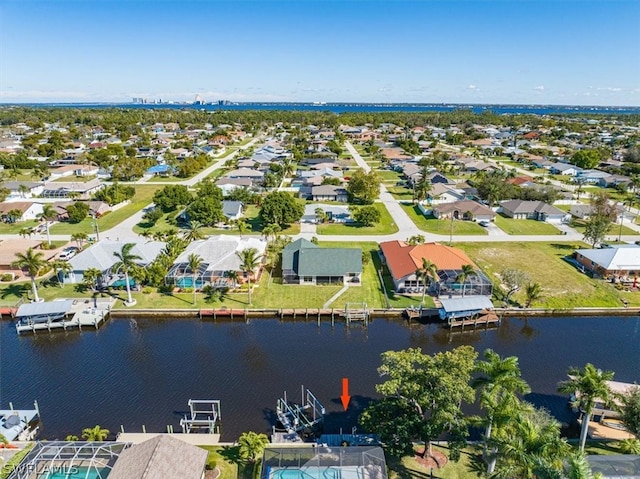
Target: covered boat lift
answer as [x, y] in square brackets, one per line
[467, 310]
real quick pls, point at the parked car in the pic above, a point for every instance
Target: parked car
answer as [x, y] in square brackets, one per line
[484, 223]
[68, 253]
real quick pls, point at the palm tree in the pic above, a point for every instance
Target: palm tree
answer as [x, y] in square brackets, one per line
[466, 272]
[252, 445]
[194, 262]
[26, 231]
[95, 433]
[194, 231]
[126, 261]
[575, 466]
[427, 273]
[588, 385]
[534, 439]
[233, 276]
[499, 381]
[62, 267]
[90, 277]
[532, 292]
[271, 231]
[48, 212]
[242, 226]
[249, 261]
[34, 263]
[79, 238]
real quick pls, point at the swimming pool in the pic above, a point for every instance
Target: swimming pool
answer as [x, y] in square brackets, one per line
[188, 283]
[76, 473]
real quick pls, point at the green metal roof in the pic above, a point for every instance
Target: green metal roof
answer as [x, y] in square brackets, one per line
[307, 259]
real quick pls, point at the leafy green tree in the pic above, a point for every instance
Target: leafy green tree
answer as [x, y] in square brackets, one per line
[77, 211]
[90, 277]
[281, 208]
[367, 215]
[95, 433]
[171, 197]
[396, 421]
[629, 446]
[252, 445]
[586, 159]
[194, 262]
[206, 210]
[602, 216]
[588, 385]
[513, 279]
[153, 215]
[416, 240]
[33, 261]
[363, 187]
[630, 410]
[249, 261]
[427, 273]
[126, 263]
[115, 193]
[499, 381]
[436, 386]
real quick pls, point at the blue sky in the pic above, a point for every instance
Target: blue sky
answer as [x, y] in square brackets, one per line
[580, 52]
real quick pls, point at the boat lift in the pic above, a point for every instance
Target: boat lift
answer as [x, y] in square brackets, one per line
[296, 418]
[204, 417]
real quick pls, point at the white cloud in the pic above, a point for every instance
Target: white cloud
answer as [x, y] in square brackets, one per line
[539, 88]
[473, 87]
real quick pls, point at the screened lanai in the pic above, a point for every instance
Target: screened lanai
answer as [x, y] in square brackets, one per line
[475, 284]
[324, 463]
[62, 459]
[181, 276]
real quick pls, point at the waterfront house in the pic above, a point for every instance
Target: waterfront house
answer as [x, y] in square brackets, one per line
[464, 210]
[617, 261]
[161, 457]
[219, 255]
[404, 260]
[100, 256]
[533, 210]
[306, 263]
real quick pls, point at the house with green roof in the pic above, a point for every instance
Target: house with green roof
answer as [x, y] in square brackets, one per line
[304, 262]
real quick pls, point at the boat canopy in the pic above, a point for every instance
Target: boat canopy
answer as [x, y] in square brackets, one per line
[52, 308]
[464, 306]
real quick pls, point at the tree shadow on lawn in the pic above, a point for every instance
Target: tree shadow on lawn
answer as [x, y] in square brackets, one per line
[16, 289]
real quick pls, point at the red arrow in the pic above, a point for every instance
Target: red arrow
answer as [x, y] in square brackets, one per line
[345, 393]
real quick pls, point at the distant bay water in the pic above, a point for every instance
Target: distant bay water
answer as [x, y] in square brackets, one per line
[499, 109]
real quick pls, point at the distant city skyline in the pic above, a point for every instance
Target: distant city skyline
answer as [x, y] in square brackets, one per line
[560, 52]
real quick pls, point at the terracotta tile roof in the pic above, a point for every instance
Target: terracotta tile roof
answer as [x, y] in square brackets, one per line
[404, 259]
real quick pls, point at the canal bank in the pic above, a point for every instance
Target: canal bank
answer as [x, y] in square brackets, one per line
[140, 371]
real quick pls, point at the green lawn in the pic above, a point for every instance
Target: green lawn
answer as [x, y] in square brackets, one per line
[409, 468]
[525, 227]
[385, 226]
[400, 192]
[442, 227]
[389, 175]
[614, 229]
[142, 198]
[563, 286]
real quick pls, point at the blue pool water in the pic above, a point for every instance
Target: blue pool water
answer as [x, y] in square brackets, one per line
[188, 283]
[75, 473]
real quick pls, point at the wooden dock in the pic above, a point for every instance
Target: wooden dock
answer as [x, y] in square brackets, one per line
[484, 318]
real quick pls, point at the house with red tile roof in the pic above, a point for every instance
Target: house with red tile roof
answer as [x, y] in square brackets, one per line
[404, 260]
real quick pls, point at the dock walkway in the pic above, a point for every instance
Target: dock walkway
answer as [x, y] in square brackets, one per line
[87, 313]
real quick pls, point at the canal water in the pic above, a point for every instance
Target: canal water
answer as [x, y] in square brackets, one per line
[143, 371]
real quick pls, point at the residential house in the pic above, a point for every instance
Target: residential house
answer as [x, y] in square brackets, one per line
[100, 256]
[593, 177]
[246, 174]
[329, 193]
[404, 260]
[332, 213]
[227, 185]
[583, 211]
[219, 255]
[28, 210]
[21, 190]
[441, 193]
[232, 210]
[564, 169]
[617, 261]
[533, 210]
[73, 170]
[81, 190]
[306, 263]
[464, 210]
[161, 457]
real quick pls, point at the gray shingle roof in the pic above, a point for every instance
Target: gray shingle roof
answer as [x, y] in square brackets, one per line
[100, 255]
[162, 457]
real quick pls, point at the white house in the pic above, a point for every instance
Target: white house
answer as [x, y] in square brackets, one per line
[28, 209]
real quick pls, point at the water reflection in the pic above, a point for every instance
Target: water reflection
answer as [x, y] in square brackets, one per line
[144, 371]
